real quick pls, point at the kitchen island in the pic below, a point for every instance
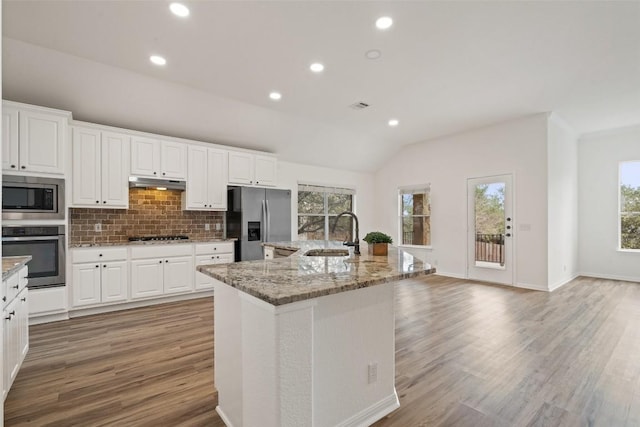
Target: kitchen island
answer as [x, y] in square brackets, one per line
[307, 340]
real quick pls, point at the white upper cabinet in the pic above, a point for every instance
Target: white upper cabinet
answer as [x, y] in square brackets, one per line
[252, 169]
[10, 160]
[206, 179]
[33, 140]
[152, 158]
[100, 163]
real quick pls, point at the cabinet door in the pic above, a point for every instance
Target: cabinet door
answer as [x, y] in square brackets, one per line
[22, 313]
[11, 341]
[115, 170]
[86, 167]
[114, 281]
[10, 139]
[146, 278]
[174, 160]
[240, 168]
[217, 179]
[202, 280]
[41, 142]
[266, 170]
[145, 157]
[86, 284]
[196, 192]
[178, 274]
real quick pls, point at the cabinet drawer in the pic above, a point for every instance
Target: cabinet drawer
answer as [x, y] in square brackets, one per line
[214, 259]
[12, 288]
[161, 250]
[214, 248]
[22, 278]
[98, 254]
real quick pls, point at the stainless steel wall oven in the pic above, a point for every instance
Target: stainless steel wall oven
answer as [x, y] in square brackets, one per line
[45, 244]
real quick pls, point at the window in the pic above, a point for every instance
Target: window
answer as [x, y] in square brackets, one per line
[630, 205]
[415, 216]
[318, 208]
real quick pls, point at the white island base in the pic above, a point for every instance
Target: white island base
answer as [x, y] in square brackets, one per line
[326, 361]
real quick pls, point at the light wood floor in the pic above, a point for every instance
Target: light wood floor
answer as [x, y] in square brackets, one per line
[467, 354]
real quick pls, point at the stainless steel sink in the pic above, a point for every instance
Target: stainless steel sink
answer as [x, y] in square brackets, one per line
[327, 252]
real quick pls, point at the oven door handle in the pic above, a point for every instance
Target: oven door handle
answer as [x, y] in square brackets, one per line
[31, 238]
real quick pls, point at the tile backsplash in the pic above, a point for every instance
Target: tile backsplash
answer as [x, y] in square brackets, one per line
[150, 213]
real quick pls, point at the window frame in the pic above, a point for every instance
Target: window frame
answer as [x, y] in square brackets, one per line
[620, 213]
[413, 189]
[324, 188]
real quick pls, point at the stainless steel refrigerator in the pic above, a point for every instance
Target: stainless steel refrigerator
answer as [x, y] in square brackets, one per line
[255, 216]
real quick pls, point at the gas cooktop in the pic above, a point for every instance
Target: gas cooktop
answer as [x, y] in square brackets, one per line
[156, 238]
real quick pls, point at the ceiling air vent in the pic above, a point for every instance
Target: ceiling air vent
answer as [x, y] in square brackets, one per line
[359, 105]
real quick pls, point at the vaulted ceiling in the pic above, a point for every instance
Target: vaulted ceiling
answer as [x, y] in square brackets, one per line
[445, 67]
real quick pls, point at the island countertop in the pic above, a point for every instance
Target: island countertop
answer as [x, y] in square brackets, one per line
[11, 264]
[299, 277]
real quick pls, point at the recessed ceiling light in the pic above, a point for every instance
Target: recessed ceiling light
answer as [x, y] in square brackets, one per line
[158, 60]
[373, 54]
[276, 96]
[179, 9]
[393, 122]
[316, 67]
[384, 22]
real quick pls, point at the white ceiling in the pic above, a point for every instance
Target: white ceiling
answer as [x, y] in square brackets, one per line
[446, 67]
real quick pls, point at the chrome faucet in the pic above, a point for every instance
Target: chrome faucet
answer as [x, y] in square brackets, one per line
[356, 241]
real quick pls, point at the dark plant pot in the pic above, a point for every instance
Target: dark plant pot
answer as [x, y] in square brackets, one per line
[378, 249]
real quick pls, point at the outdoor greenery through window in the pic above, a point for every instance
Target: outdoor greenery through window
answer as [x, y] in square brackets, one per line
[630, 205]
[415, 216]
[318, 208]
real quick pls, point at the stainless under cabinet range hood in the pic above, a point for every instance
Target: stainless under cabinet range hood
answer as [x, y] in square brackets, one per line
[156, 184]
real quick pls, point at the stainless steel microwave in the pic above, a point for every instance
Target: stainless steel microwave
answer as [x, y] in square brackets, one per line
[27, 197]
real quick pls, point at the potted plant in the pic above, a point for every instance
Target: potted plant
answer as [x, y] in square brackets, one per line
[378, 242]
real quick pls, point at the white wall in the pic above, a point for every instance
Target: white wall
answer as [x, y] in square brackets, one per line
[518, 147]
[598, 158]
[562, 188]
[290, 174]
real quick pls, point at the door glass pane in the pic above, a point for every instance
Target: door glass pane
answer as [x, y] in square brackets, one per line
[311, 227]
[489, 223]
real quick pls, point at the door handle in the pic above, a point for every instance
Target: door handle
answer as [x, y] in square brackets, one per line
[268, 221]
[263, 222]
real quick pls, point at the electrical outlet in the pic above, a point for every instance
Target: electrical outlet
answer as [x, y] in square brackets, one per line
[218, 226]
[97, 227]
[207, 227]
[373, 372]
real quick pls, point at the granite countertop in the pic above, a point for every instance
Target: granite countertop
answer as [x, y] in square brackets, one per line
[150, 242]
[299, 277]
[11, 264]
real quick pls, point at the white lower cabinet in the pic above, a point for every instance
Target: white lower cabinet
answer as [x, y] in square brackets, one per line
[161, 269]
[212, 253]
[176, 272]
[15, 332]
[147, 278]
[99, 276]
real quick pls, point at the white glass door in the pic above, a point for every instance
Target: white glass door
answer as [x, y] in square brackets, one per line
[490, 229]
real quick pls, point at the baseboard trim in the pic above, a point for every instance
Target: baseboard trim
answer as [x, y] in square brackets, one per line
[224, 417]
[48, 318]
[531, 287]
[561, 283]
[453, 275]
[374, 412]
[610, 277]
[79, 312]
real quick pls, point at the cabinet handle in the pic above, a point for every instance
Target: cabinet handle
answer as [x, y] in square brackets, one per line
[97, 266]
[104, 201]
[160, 261]
[105, 265]
[166, 260]
[8, 318]
[97, 201]
[99, 254]
[23, 167]
[12, 313]
[163, 173]
[155, 173]
[23, 299]
[13, 166]
[4, 299]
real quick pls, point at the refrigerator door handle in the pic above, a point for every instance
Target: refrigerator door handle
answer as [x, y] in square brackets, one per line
[263, 222]
[268, 239]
